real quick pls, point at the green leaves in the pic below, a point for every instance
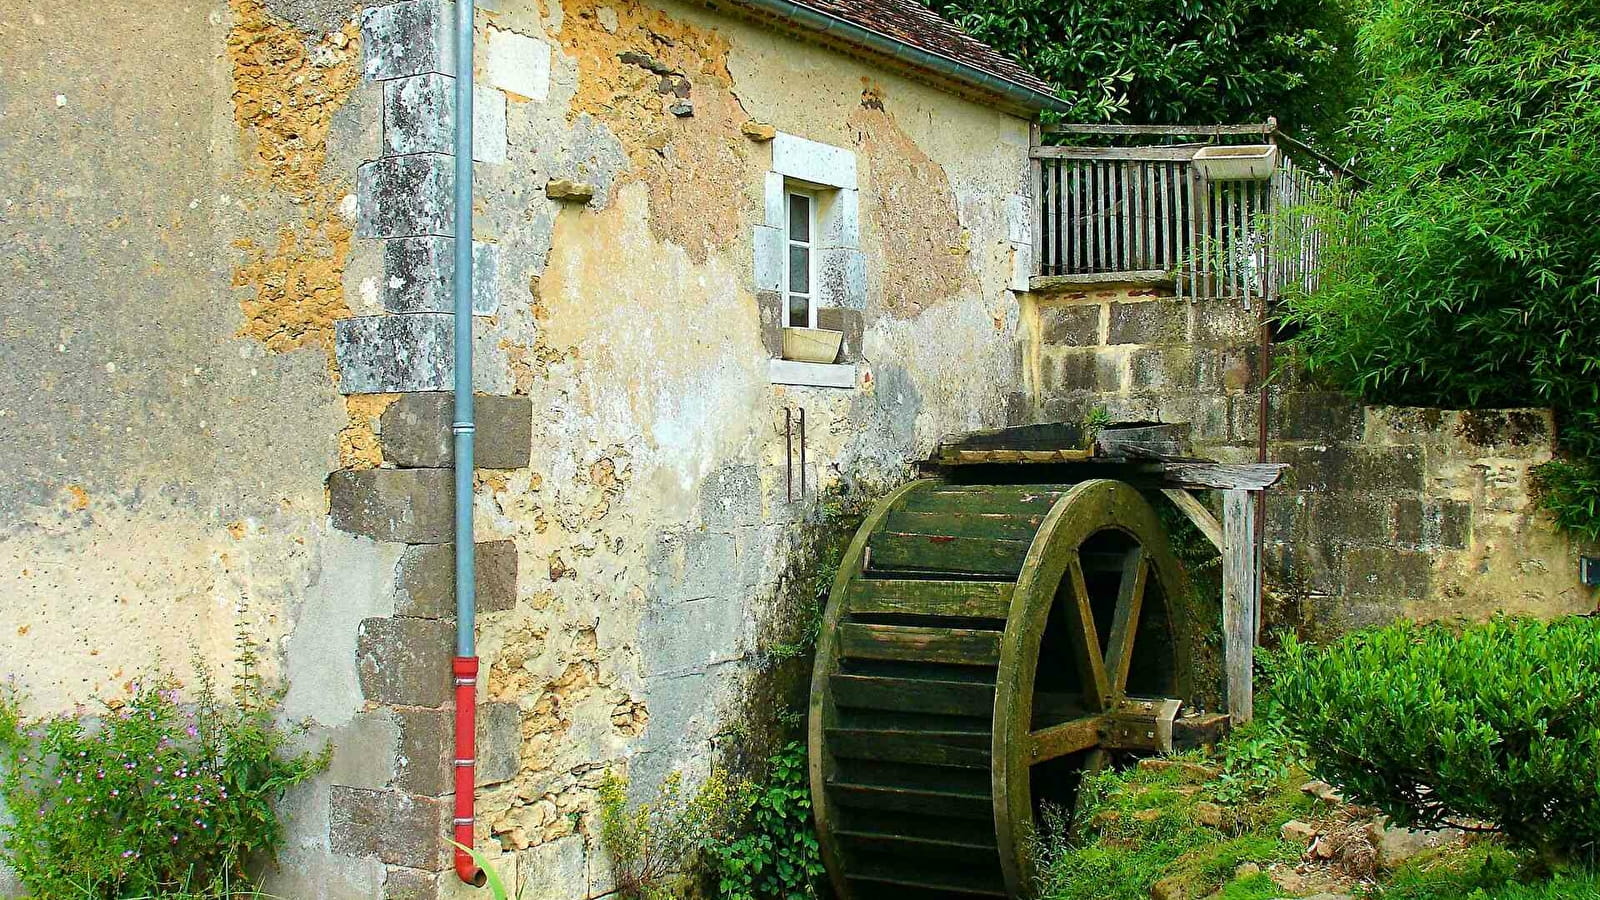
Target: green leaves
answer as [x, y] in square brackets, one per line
[1433, 725]
[777, 856]
[1468, 273]
[1194, 61]
[152, 798]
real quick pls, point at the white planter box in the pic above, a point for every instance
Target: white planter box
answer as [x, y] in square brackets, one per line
[812, 345]
[1253, 162]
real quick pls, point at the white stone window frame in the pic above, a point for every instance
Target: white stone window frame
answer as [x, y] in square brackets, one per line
[828, 173]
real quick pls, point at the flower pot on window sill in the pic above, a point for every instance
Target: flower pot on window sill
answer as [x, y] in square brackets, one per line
[812, 345]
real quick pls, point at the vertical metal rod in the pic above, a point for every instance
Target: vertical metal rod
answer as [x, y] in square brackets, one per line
[788, 454]
[802, 452]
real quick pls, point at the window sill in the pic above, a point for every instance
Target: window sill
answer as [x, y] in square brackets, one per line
[836, 375]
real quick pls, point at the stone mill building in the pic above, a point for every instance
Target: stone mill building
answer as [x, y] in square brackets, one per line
[228, 233]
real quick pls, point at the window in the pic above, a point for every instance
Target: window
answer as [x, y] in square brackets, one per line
[800, 270]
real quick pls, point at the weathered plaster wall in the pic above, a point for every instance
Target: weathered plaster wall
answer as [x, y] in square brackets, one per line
[652, 524]
[172, 182]
[187, 239]
[1385, 512]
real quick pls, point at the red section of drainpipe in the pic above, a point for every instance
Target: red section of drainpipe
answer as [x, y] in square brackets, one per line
[466, 765]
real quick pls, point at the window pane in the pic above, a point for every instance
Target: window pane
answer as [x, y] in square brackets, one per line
[799, 269]
[799, 312]
[800, 218]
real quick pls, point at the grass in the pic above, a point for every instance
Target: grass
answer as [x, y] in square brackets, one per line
[1483, 871]
[1141, 826]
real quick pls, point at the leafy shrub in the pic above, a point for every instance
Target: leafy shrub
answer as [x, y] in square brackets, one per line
[1195, 62]
[655, 846]
[1467, 274]
[777, 856]
[152, 799]
[1432, 725]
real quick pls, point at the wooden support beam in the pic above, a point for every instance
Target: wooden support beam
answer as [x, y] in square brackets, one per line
[1191, 507]
[1217, 476]
[1241, 598]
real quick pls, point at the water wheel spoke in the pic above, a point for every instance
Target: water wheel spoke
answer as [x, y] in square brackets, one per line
[1092, 672]
[1125, 621]
[1073, 736]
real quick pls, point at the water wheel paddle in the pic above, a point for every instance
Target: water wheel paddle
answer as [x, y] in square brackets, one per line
[985, 646]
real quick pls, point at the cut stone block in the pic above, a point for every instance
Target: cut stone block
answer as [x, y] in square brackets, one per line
[824, 164]
[406, 196]
[419, 116]
[395, 354]
[852, 324]
[417, 431]
[413, 506]
[769, 249]
[398, 829]
[842, 277]
[426, 750]
[426, 580]
[676, 638]
[408, 38]
[1150, 322]
[405, 662]
[519, 65]
[499, 743]
[1070, 326]
[569, 190]
[419, 276]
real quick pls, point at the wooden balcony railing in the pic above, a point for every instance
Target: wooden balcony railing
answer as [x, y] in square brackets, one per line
[1146, 210]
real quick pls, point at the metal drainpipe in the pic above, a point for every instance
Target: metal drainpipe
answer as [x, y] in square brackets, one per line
[465, 664]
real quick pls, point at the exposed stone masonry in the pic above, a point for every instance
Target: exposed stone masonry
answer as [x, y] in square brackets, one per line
[1385, 511]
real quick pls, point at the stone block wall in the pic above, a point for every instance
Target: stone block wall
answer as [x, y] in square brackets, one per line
[1384, 512]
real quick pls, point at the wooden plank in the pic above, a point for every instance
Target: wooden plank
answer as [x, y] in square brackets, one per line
[1085, 639]
[1196, 512]
[1220, 476]
[985, 499]
[947, 698]
[1241, 598]
[897, 552]
[1125, 619]
[970, 599]
[908, 844]
[1052, 436]
[958, 646]
[923, 748]
[959, 804]
[1199, 730]
[1164, 130]
[1163, 440]
[1066, 738]
[992, 457]
[1131, 154]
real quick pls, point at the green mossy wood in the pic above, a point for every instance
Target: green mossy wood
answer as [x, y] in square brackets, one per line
[984, 646]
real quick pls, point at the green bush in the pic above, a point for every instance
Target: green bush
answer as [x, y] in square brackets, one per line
[1497, 723]
[655, 847]
[153, 799]
[1467, 274]
[776, 856]
[1194, 62]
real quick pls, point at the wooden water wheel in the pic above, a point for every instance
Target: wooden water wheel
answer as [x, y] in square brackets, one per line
[985, 646]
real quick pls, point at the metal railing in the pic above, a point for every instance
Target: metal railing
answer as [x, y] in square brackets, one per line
[1147, 210]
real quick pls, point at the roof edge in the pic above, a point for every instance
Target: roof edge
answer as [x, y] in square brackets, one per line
[1021, 96]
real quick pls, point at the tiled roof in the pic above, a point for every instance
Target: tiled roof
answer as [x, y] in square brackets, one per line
[914, 25]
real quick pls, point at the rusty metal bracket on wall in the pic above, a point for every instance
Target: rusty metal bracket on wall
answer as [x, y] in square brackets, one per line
[794, 425]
